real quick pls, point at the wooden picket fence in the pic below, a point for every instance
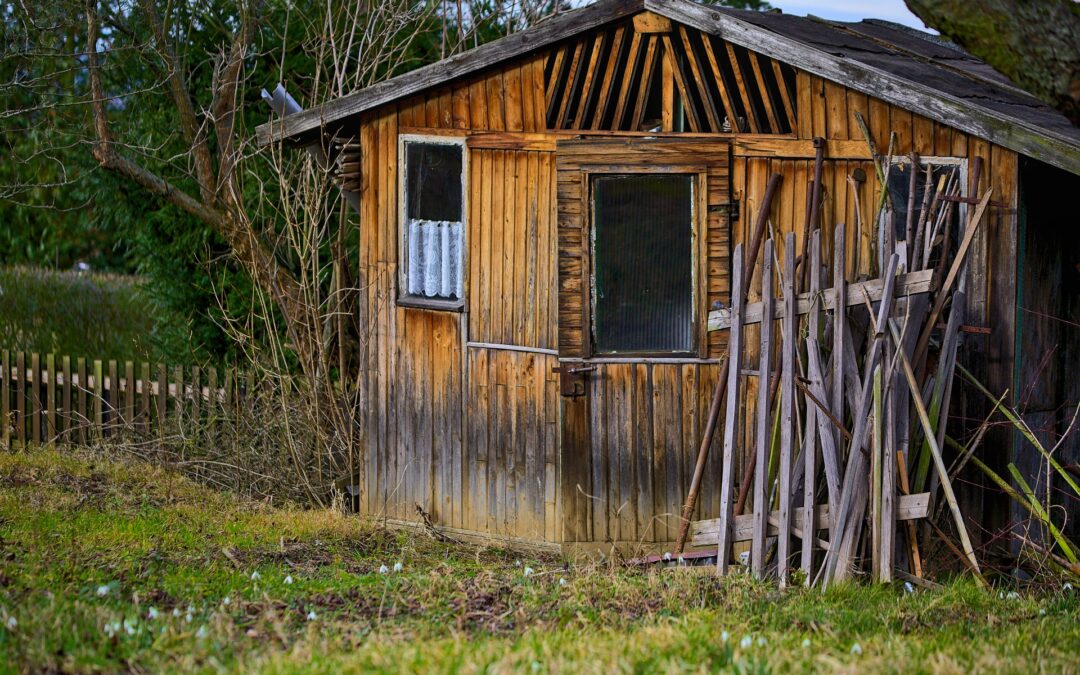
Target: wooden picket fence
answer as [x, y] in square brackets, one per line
[51, 399]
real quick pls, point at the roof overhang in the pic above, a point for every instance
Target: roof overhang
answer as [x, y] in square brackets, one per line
[1013, 132]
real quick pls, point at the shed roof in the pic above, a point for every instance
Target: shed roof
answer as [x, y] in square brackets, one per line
[902, 66]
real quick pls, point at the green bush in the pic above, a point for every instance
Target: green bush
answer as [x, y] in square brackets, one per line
[101, 316]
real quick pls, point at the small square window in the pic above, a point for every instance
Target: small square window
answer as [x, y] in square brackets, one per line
[433, 217]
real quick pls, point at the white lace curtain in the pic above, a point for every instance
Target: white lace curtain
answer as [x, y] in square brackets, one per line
[435, 259]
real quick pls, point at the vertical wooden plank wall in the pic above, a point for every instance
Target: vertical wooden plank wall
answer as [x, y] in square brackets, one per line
[460, 409]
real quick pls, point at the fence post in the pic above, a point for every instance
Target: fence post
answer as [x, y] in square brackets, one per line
[35, 399]
[20, 399]
[50, 397]
[65, 418]
[97, 429]
[113, 388]
[84, 387]
[162, 397]
[129, 396]
[144, 388]
[5, 402]
[178, 401]
[213, 406]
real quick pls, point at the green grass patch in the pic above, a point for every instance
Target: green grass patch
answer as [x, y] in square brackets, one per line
[96, 316]
[112, 564]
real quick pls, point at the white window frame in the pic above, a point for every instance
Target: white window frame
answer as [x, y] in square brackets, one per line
[404, 298]
[961, 162]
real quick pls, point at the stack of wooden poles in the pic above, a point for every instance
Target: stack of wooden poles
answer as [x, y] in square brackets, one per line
[853, 390]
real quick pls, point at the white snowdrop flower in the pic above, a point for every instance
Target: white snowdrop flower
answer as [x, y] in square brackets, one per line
[667, 556]
[311, 615]
[187, 618]
[1066, 586]
[908, 587]
[176, 611]
[1012, 595]
[190, 608]
[398, 566]
[108, 630]
[681, 560]
[528, 571]
[226, 600]
[11, 623]
[535, 666]
[129, 627]
[725, 636]
[746, 642]
[761, 641]
[517, 563]
[383, 569]
[255, 575]
[201, 633]
[562, 581]
[806, 643]
[1042, 611]
[152, 613]
[288, 579]
[856, 649]
[102, 590]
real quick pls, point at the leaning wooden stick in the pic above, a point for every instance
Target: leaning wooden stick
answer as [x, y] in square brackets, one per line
[943, 473]
[722, 379]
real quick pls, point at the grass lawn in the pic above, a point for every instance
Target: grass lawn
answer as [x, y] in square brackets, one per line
[112, 564]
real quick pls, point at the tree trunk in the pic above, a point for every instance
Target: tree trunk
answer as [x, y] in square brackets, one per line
[1035, 43]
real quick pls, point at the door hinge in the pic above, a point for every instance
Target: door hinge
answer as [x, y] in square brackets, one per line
[572, 379]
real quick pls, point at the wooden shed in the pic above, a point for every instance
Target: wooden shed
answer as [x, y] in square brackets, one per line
[546, 222]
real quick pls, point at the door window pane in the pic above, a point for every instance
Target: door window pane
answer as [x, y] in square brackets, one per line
[643, 267]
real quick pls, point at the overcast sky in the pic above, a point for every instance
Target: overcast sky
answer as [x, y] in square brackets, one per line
[852, 10]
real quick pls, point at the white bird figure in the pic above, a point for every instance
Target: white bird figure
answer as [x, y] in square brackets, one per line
[383, 569]
[856, 649]
[288, 579]
[398, 566]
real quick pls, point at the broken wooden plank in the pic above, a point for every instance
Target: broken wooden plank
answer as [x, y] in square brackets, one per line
[913, 283]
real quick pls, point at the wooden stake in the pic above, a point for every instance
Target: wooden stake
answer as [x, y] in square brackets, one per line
[731, 421]
[764, 419]
[789, 336]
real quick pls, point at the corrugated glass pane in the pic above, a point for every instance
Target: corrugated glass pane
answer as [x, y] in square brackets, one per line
[643, 295]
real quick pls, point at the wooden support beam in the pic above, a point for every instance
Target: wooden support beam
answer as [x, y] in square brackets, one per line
[697, 70]
[704, 532]
[607, 84]
[648, 22]
[906, 284]
[725, 97]
[628, 77]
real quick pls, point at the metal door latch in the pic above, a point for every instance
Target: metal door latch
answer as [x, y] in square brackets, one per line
[572, 379]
